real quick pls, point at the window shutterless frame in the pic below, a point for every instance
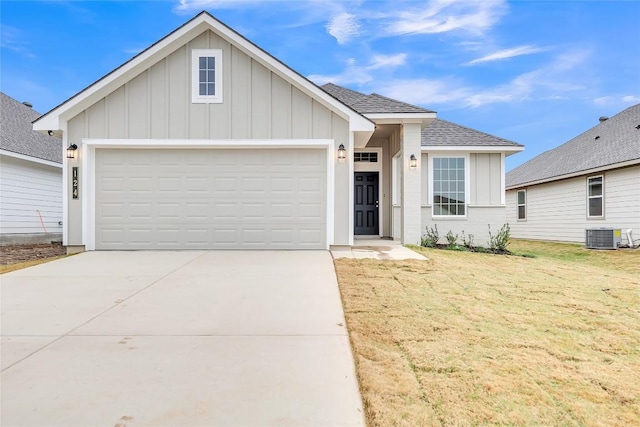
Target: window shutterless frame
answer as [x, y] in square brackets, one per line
[206, 76]
[449, 181]
[595, 197]
[521, 204]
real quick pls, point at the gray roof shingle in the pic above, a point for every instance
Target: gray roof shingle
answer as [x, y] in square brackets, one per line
[612, 141]
[443, 132]
[17, 134]
[371, 104]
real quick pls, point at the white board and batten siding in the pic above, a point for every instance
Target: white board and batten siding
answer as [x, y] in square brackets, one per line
[211, 199]
[258, 105]
[31, 195]
[484, 207]
[557, 211]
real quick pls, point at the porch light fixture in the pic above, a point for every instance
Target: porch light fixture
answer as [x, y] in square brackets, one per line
[71, 151]
[413, 162]
[342, 152]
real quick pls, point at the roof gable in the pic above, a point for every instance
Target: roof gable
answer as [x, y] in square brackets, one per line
[17, 135]
[611, 142]
[57, 117]
[442, 132]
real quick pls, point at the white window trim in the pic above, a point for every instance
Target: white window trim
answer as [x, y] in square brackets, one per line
[518, 206]
[589, 216]
[467, 183]
[395, 180]
[196, 98]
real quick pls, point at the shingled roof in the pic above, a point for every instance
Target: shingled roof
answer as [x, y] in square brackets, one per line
[371, 104]
[17, 134]
[442, 132]
[612, 141]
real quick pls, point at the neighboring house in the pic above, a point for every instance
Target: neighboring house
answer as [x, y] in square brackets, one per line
[591, 181]
[204, 140]
[30, 177]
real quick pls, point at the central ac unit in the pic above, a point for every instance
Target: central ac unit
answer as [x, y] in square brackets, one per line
[603, 238]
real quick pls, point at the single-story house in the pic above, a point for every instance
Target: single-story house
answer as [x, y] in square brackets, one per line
[30, 177]
[204, 140]
[589, 182]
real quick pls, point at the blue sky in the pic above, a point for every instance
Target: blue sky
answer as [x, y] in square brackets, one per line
[535, 72]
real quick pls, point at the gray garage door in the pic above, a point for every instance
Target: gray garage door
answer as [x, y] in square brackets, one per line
[211, 199]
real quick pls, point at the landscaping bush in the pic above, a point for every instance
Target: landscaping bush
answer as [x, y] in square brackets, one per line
[498, 242]
[452, 241]
[430, 238]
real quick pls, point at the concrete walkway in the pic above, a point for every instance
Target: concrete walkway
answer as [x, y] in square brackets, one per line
[376, 249]
[177, 339]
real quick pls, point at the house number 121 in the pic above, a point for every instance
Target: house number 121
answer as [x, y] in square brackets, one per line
[74, 182]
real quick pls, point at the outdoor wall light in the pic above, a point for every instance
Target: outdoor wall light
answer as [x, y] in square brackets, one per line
[342, 152]
[413, 162]
[71, 151]
[50, 133]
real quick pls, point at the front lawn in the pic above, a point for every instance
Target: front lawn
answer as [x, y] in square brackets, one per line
[478, 339]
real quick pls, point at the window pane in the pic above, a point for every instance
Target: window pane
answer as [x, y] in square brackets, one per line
[521, 197]
[211, 63]
[211, 76]
[203, 89]
[202, 62]
[521, 212]
[595, 206]
[595, 189]
[211, 89]
[448, 186]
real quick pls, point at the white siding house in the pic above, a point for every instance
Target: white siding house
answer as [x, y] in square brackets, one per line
[592, 181]
[206, 141]
[30, 178]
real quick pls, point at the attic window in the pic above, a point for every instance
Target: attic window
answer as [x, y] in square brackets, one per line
[206, 76]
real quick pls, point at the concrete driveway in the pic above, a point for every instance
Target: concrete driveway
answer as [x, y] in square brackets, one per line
[194, 338]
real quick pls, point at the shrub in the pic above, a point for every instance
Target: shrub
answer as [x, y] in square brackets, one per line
[499, 242]
[451, 240]
[467, 242]
[430, 238]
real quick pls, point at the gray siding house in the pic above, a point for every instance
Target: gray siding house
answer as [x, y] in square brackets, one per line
[591, 181]
[30, 178]
[204, 140]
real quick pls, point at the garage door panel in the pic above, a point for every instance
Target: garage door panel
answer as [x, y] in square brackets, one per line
[208, 199]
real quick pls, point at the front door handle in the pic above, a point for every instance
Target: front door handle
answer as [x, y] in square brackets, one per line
[376, 203]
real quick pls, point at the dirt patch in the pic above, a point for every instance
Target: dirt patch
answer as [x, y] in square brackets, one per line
[14, 254]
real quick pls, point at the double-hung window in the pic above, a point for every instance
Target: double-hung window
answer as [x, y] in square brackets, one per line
[449, 186]
[206, 76]
[522, 205]
[595, 197]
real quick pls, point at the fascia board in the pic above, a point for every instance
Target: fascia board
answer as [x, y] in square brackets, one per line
[575, 174]
[116, 78]
[127, 71]
[474, 148]
[357, 121]
[30, 158]
[400, 118]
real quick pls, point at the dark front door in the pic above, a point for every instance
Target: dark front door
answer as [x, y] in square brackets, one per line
[366, 203]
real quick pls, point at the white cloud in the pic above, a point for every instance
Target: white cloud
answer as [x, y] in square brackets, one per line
[360, 74]
[344, 27]
[12, 38]
[631, 98]
[507, 53]
[553, 81]
[384, 61]
[441, 16]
